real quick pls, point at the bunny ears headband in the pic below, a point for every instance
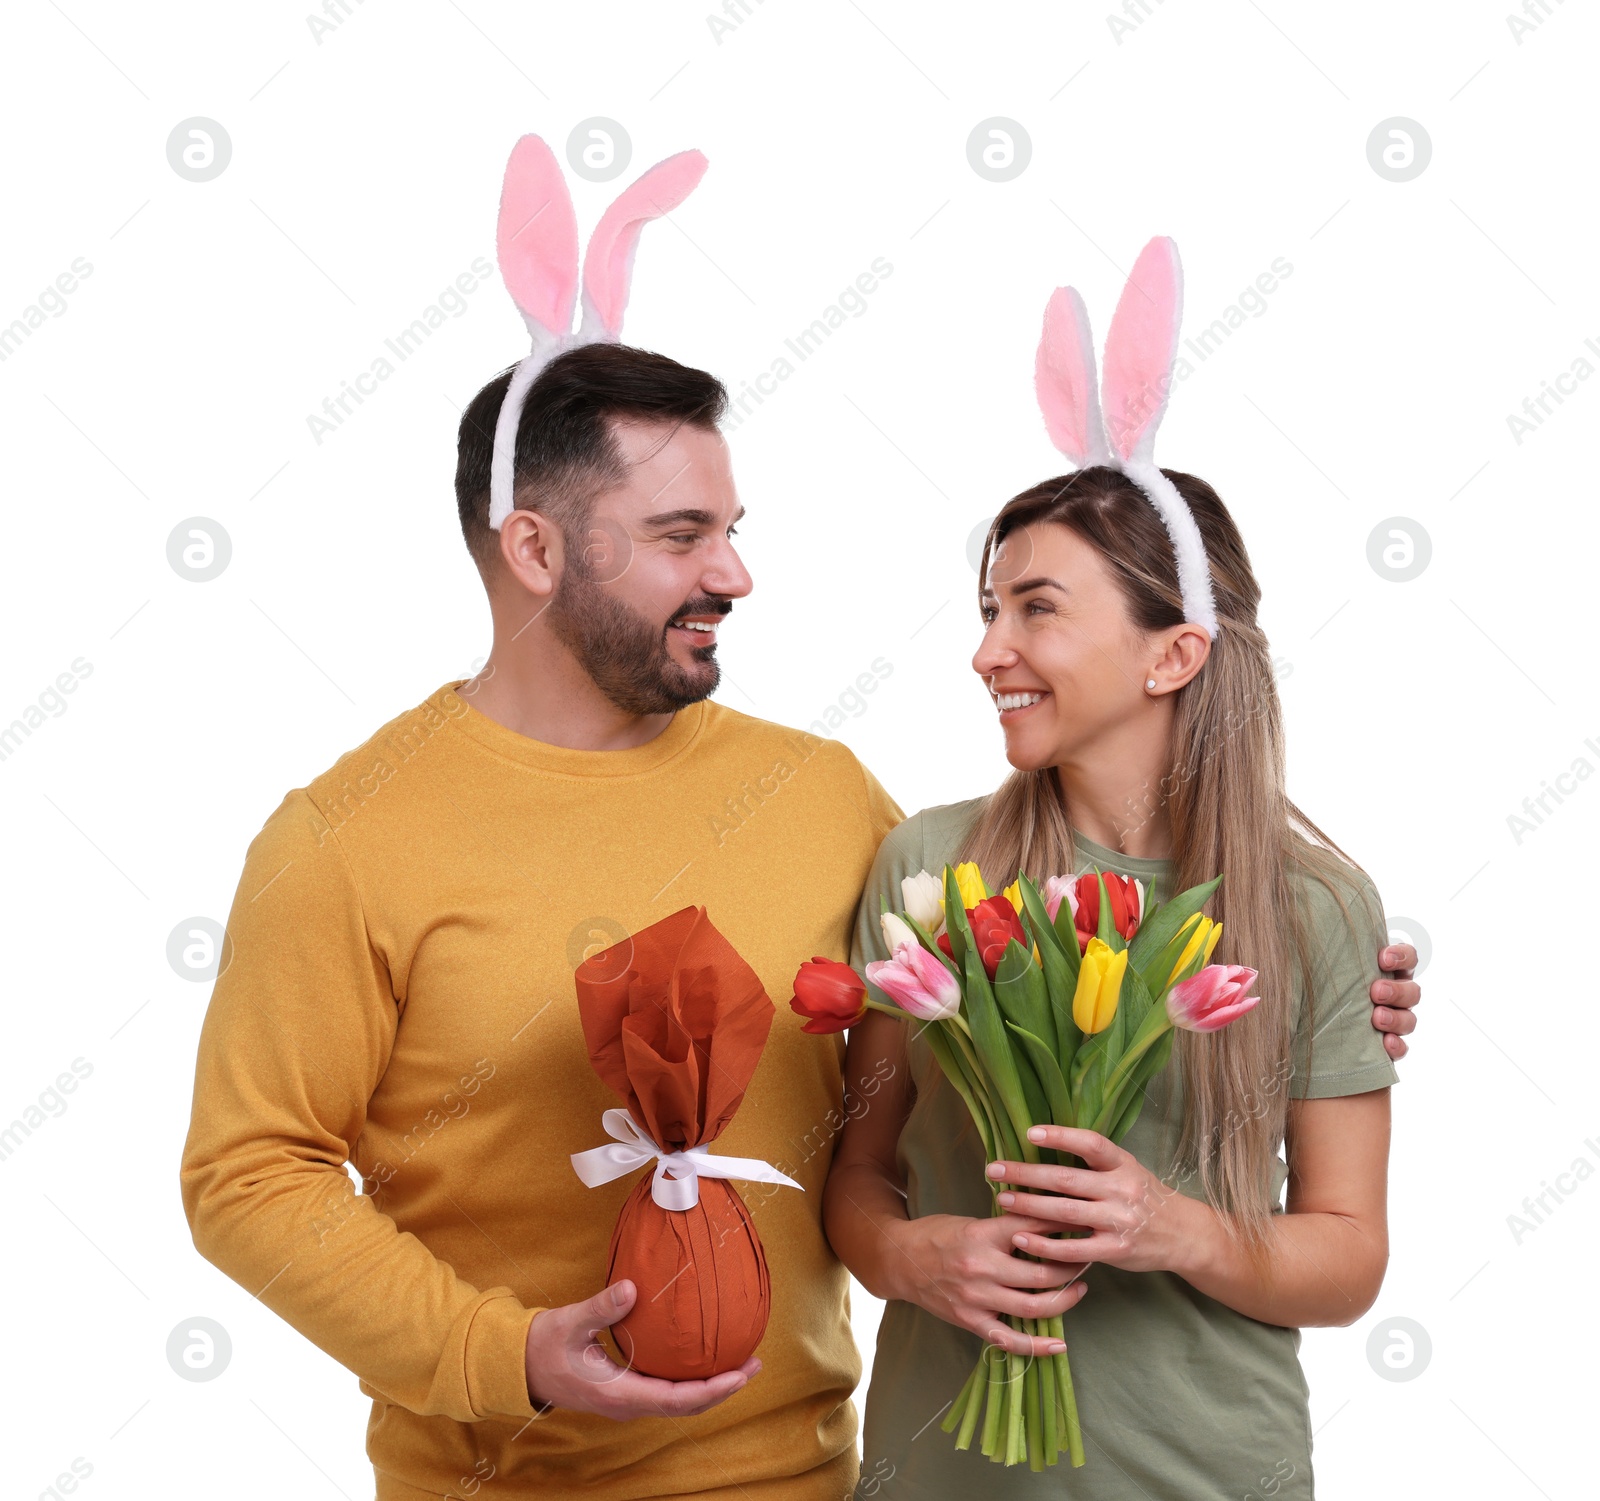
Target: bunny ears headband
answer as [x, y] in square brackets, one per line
[537, 244]
[1118, 426]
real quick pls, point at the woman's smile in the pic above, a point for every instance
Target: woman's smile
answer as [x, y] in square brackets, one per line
[1017, 703]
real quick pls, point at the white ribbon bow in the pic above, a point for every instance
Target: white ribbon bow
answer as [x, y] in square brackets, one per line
[629, 1148]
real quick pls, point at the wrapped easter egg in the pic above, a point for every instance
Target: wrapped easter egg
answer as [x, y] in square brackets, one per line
[675, 1022]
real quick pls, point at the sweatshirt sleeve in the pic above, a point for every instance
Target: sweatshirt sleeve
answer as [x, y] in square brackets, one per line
[297, 1035]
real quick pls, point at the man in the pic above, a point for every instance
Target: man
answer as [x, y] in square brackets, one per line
[400, 995]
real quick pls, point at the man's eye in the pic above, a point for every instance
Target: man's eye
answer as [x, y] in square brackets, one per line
[682, 537]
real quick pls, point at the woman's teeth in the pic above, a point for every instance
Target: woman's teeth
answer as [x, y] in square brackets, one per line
[1004, 701]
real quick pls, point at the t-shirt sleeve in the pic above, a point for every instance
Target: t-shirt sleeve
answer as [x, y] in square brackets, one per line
[899, 856]
[298, 1033]
[1337, 1050]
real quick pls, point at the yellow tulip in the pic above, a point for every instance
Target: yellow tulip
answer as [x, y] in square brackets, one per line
[1100, 972]
[970, 884]
[1203, 934]
[1013, 894]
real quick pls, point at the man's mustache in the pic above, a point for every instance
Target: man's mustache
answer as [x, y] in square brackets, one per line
[706, 605]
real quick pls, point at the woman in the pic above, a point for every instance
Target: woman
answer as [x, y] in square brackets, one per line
[1145, 745]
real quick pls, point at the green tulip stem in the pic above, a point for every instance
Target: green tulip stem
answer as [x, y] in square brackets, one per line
[1119, 1076]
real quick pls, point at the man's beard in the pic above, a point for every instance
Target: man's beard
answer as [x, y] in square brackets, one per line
[624, 653]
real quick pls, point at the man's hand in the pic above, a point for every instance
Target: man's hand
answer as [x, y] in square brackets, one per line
[1394, 995]
[567, 1366]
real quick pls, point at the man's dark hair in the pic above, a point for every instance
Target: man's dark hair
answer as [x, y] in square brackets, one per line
[566, 451]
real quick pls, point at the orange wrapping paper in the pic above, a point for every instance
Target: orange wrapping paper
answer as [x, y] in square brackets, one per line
[675, 1022]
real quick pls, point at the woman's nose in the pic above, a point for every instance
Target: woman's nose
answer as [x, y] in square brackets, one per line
[993, 655]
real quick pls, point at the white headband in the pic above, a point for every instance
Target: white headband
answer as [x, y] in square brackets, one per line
[537, 242]
[1140, 350]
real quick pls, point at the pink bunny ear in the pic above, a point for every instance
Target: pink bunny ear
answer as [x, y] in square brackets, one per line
[1141, 348]
[537, 239]
[1064, 379]
[608, 262]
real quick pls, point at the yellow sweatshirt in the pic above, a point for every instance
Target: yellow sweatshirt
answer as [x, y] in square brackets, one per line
[397, 993]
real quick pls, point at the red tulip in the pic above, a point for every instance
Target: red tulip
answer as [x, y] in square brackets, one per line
[829, 994]
[994, 923]
[1127, 903]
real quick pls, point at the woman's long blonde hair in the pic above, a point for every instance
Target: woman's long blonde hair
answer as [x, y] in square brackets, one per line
[1225, 799]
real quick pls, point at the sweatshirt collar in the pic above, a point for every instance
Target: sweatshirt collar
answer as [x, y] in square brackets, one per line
[561, 760]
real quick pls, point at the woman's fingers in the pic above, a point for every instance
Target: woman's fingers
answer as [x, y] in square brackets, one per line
[1015, 1271]
[1061, 1180]
[1063, 1255]
[1093, 1213]
[1103, 1245]
[1008, 1223]
[995, 1331]
[1098, 1151]
[1045, 1305]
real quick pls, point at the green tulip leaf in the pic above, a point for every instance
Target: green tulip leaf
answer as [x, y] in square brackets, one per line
[1161, 928]
[1049, 1072]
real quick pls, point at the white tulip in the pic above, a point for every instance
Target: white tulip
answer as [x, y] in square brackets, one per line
[923, 896]
[897, 931]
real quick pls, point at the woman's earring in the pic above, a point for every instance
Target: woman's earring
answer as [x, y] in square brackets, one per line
[1149, 682]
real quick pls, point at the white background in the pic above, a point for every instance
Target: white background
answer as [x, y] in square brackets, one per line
[365, 169]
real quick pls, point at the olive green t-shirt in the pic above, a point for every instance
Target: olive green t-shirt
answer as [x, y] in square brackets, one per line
[1180, 1396]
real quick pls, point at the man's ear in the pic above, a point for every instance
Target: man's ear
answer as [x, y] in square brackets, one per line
[531, 551]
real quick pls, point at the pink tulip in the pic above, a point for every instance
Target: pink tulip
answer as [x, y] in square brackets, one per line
[1211, 999]
[918, 982]
[1057, 887]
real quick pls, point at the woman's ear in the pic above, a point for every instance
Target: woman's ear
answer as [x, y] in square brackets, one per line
[531, 552]
[1188, 647]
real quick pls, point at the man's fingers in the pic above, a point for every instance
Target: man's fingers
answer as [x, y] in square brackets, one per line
[1397, 1023]
[599, 1312]
[634, 1394]
[1401, 994]
[1395, 1047]
[1399, 958]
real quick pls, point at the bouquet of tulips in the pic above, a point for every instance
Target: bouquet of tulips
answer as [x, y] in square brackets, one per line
[1052, 1005]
